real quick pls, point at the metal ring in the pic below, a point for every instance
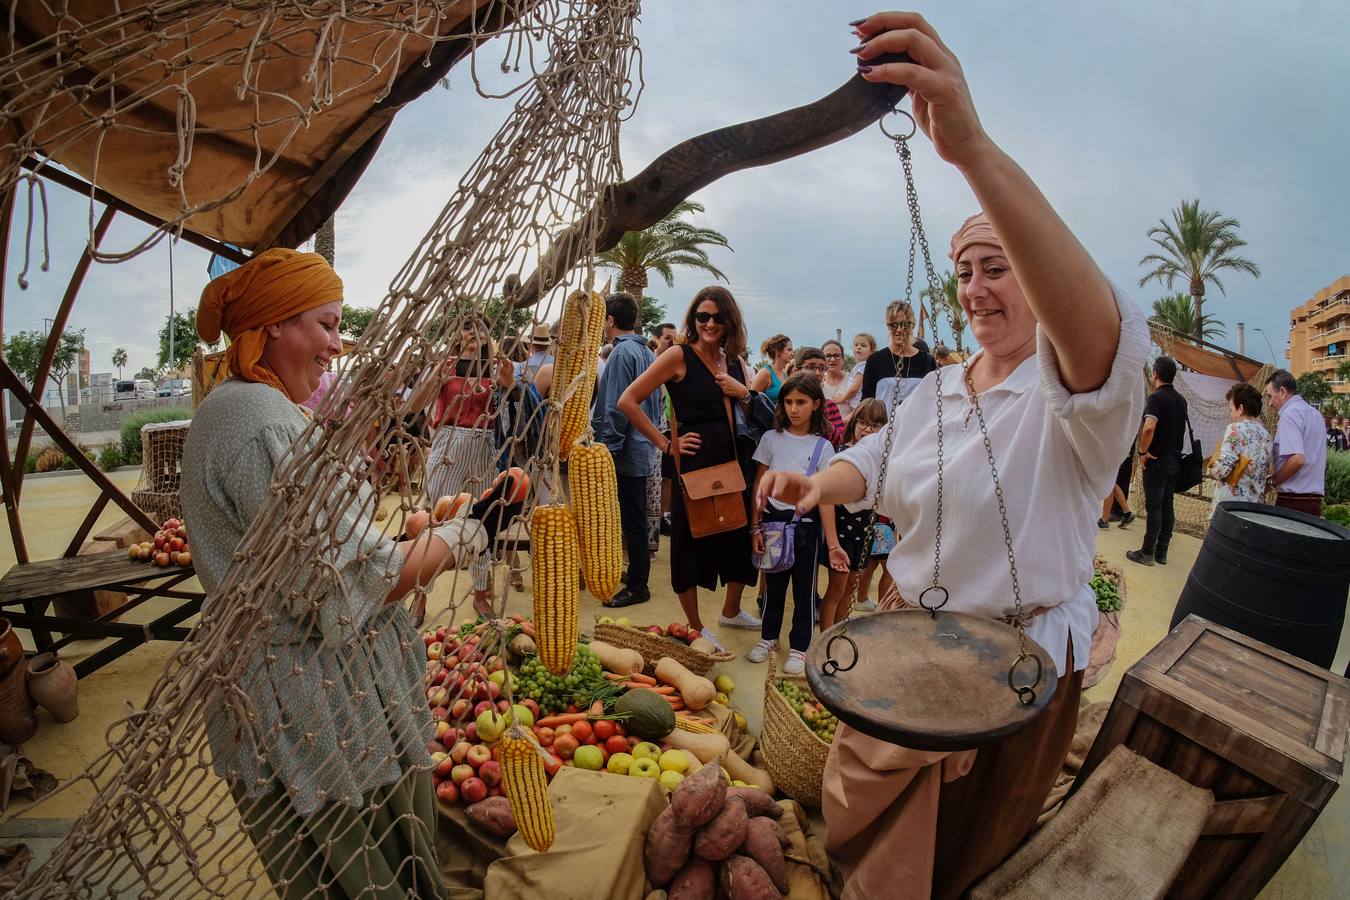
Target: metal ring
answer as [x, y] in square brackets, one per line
[831, 665]
[1025, 693]
[913, 125]
[936, 587]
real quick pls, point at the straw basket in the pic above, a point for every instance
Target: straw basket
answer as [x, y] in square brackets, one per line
[653, 648]
[1107, 634]
[793, 755]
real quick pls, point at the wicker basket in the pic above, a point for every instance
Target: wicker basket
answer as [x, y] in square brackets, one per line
[653, 648]
[793, 755]
[1107, 635]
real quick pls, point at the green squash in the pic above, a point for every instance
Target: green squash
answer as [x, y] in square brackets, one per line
[649, 716]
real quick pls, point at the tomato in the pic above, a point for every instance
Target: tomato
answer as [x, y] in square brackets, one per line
[619, 729]
[616, 744]
[582, 732]
[551, 765]
[565, 745]
[604, 730]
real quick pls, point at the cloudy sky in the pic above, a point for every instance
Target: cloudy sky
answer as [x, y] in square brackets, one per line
[1118, 111]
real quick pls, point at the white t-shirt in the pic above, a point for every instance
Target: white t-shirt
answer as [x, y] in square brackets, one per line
[784, 451]
[1057, 454]
[847, 407]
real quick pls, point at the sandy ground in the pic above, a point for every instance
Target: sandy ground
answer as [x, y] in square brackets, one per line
[53, 506]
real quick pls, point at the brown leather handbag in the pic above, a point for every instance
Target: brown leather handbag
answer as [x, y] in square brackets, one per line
[714, 496]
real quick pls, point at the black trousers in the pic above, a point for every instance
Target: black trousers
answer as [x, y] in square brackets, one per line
[633, 519]
[1160, 483]
[802, 577]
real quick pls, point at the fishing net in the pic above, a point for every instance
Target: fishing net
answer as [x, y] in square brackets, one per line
[264, 735]
[157, 491]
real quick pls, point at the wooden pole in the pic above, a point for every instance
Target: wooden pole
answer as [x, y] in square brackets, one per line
[11, 498]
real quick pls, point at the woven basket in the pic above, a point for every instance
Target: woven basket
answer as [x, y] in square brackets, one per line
[793, 755]
[1107, 636]
[653, 648]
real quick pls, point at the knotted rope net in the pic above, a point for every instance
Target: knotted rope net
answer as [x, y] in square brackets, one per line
[274, 732]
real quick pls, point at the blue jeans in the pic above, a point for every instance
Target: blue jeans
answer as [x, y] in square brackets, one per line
[802, 575]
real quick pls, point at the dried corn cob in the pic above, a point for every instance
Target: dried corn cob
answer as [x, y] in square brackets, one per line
[555, 560]
[595, 505]
[579, 339]
[526, 787]
[694, 726]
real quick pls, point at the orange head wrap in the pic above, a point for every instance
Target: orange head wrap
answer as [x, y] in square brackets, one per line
[975, 230]
[270, 288]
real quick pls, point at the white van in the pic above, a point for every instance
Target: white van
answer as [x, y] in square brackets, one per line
[134, 389]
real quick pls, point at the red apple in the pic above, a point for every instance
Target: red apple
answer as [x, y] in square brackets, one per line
[496, 791]
[479, 754]
[678, 631]
[565, 745]
[472, 668]
[480, 708]
[439, 712]
[473, 790]
[490, 772]
[438, 696]
[176, 544]
[656, 630]
[461, 773]
[616, 744]
[181, 532]
[544, 734]
[532, 707]
[460, 751]
[162, 558]
[552, 764]
[434, 650]
[441, 633]
[434, 747]
[447, 792]
[494, 690]
[445, 734]
[471, 733]
[445, 767]
[503, 705]
[460, 709]
[494, 664]
[160, 540]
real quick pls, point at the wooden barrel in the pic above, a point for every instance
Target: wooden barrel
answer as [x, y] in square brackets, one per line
[1274, 574]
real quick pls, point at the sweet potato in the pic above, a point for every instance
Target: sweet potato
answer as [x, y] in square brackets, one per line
[757, 802]
[657, 895]
[723, 835]
[493, 815]
[762, 845]
[745, 879]
[667, 848]
[700, 797]
[696, 881]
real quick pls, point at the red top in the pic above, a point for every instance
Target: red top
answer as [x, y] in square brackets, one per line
[463, 402]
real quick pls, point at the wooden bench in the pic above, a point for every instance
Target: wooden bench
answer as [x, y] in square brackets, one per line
[28, 589]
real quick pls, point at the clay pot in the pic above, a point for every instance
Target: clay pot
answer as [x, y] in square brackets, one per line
[18, 716]
[11, 651]
[52, 684]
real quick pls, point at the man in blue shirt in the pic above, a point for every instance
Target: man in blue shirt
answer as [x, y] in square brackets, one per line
[634, 455]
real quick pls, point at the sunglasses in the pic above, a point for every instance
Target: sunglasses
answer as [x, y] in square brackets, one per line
[703, 318]
[834, 356]
[900, 326]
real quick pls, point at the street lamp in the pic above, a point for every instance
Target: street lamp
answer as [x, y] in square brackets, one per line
[1263, 334]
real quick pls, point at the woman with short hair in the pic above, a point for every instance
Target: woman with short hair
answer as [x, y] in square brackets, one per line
[1240, 465]
[899, 366]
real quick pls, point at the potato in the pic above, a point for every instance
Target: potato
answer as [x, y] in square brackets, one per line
[667, 848]
[493, 815]
[745, 879]
[700, 797]
[762, 845]
[696, 881]
[757, 802]
[657, 895]
[723, 835]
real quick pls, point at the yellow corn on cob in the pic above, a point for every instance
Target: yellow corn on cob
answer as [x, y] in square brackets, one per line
[555, 561]
[694, 726]
[526, 787]
[579, 338]
[595, 506]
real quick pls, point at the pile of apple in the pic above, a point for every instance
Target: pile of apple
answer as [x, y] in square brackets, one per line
[169, 547]
[675, 630]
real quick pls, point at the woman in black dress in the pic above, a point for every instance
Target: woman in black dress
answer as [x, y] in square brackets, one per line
[704, 372]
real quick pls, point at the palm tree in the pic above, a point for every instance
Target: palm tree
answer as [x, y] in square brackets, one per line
[1195, 247]
[669, 243]
[119, 359]
[1177, 312]
[948, 303]
[1343, 370]
[325, 239]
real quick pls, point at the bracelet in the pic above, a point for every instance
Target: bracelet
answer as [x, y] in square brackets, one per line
[756, 529]
[834, 548]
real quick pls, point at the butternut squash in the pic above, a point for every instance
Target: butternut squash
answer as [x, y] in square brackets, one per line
[703, 645]
[696, 690]
[709, 747]
[619, 660]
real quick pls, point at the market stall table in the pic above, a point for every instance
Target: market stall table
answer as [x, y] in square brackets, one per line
[28, 588]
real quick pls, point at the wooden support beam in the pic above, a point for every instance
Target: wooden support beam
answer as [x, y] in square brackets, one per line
[53, 342]
[83, 531]
[11, 498]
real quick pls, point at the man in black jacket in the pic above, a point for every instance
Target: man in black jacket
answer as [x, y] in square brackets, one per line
[1160, 446]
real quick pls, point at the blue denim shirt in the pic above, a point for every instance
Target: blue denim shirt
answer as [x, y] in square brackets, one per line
[633, 454]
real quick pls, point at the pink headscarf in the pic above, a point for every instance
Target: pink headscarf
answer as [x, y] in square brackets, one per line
[975, 230]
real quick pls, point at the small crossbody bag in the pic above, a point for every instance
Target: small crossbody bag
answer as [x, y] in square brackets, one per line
[780, 538]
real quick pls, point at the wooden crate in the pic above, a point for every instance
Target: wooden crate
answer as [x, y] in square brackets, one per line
[1262, 729]
[123, 534]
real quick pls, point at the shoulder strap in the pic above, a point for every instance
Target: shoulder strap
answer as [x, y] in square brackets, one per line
[811, 467]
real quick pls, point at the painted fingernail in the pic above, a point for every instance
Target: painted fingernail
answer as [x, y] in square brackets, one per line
[857, 22]
[858, 49]
[863, 70]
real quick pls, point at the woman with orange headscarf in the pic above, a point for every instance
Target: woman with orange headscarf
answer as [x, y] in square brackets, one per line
[1057, 383]
[323, 741]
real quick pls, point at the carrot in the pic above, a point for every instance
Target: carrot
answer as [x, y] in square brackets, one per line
[639, 678]
[614, 676]
[563, 719]
[597, 709]
[664, 690]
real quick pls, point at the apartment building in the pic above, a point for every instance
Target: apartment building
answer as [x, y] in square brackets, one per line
[1319, 334]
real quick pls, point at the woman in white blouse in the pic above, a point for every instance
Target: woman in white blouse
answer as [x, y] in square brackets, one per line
[1057, 379]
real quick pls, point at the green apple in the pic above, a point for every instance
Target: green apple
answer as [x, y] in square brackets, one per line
[490, 724]
[673, 761]
[619, 763]
[647, 750]
[523, 715]
[498, 677]
[645, 768]
[588, 756]
[604, 620]
[725, 684]
[670, 780]
[624, 621]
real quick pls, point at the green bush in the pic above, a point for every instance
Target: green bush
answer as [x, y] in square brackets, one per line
[131, 430]
[1338, 478]
[30, 465]
[1340, 514]
[109, 457]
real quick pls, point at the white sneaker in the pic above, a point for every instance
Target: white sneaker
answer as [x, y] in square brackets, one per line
[761, 651]
[712, 639]
[796, 663]
[868, 604]
[742, 619]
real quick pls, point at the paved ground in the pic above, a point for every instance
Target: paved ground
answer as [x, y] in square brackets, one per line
[53, 506]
